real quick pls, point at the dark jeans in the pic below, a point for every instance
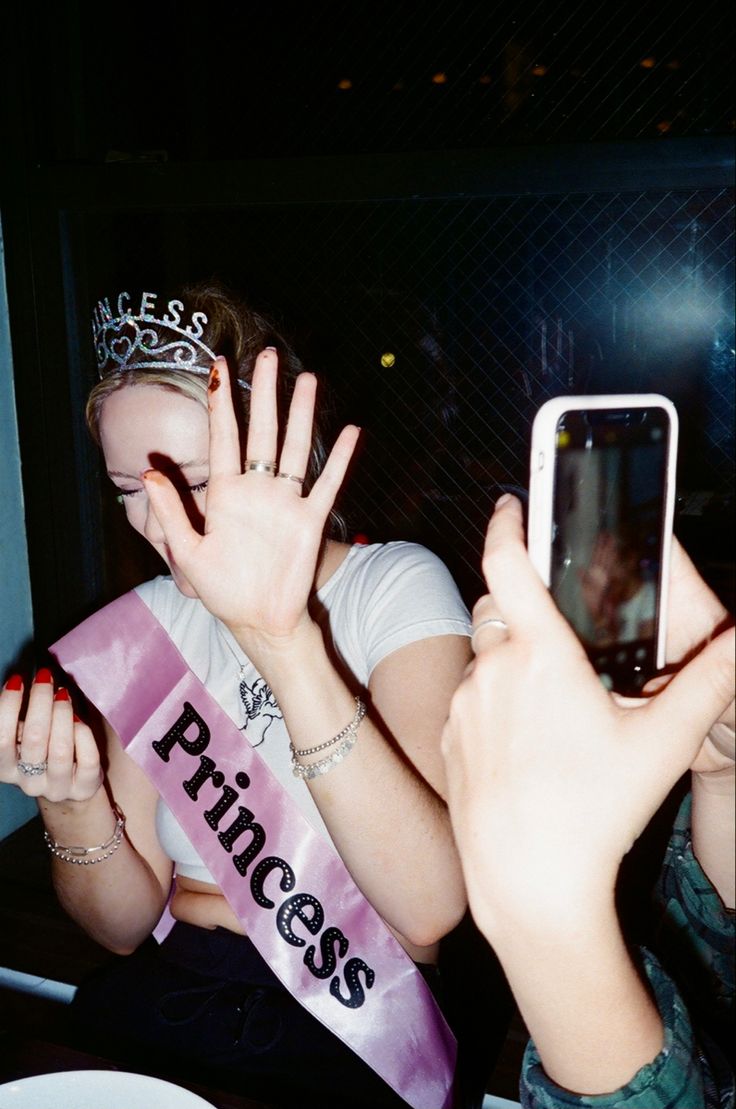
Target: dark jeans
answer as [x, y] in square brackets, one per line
[205, 1006]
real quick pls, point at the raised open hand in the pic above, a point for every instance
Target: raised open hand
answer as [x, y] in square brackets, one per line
[254, 566]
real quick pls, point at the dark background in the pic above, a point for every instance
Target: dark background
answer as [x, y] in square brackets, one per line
[514, 201]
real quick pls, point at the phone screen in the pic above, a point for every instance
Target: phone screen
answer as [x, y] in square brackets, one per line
[607, 536]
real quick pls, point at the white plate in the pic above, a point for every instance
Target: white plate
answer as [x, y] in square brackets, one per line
[97, 1089]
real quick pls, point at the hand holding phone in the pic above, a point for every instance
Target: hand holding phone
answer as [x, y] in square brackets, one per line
[601, 503]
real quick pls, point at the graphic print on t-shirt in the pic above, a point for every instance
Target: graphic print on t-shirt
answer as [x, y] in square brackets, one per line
[261, 709]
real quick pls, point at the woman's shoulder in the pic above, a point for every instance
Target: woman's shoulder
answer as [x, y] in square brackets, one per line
[376, 573]
[383, 561]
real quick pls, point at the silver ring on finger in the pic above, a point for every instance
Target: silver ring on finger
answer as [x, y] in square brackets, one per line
[32, 769]
[260, 466]
[492, 621]
[291, 477]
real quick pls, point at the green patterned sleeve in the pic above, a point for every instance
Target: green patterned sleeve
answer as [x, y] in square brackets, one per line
[695, 945]
[672, 1081]
[695, 938]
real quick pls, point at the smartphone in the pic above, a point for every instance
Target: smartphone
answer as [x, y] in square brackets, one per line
[601, 503]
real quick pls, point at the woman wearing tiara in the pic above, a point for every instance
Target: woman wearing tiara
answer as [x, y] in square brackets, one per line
[334, 665]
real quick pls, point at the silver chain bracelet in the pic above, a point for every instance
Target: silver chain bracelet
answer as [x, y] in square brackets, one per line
[79, 856]
[346, 740]
[359, 714]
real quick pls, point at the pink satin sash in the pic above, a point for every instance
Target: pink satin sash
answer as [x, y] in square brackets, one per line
[289, 888]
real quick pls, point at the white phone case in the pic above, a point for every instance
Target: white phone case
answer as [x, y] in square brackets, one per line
[541, 484]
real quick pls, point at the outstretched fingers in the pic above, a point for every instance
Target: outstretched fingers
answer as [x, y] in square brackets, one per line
[327, 485]
[224, 453]
[263, 423]
[298, 440]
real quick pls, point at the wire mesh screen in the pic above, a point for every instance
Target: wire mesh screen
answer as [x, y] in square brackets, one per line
[442, 325]
[283, 79]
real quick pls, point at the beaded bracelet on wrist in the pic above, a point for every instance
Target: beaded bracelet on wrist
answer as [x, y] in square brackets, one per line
[345, 740]
[359, 714]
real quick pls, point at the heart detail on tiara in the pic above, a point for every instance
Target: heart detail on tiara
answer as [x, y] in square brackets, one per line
[120, 349]
[143, 341]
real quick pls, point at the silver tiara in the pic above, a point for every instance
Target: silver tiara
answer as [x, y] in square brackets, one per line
[143, 340]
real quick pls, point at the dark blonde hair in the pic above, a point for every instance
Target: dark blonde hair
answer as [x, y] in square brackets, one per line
[234, 330]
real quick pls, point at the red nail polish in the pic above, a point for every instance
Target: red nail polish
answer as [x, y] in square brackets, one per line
[62, 695]
[14, 683]
[214, 382]
[44, 677]
[76, 719]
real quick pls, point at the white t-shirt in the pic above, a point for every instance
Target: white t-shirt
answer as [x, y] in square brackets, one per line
[381, 597]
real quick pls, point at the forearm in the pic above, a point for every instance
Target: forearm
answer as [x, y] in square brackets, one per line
[679, 1075]
[590, 1016]
[118, 900]
[713, 821]
[391, 830]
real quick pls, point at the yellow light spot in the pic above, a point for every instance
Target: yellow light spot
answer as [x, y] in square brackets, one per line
[563, 438]
[439, 79]
[664, 126]
[648, 63]
[346, 83]
[539, 70]
[387, 359]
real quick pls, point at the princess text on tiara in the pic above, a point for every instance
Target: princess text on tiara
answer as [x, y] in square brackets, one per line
[123, 341]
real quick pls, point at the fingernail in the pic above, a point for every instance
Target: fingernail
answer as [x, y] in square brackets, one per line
[271, 348]
[214, 382]
[62, 695]
[44, 677]
[503, 499]
[14, 683]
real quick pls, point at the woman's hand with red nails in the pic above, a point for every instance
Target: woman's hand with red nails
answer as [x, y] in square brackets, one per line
[48, 752]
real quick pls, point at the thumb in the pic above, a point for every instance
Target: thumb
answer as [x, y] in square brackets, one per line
[170, 513]
[697, 696]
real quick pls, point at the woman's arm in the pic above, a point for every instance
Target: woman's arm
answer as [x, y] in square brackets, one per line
[391, 829]
[551, 781]
[254, 568]
[695, 614]
[118, 896]
[714, 814]
[117, 901]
